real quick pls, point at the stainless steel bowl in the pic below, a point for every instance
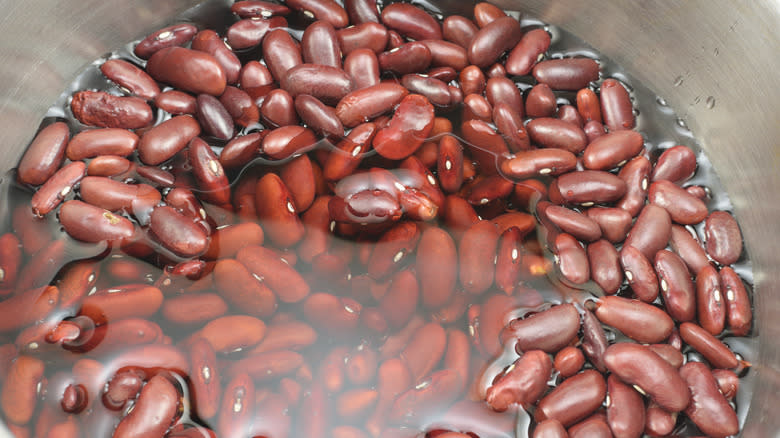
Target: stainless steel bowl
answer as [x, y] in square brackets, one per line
[714, 61]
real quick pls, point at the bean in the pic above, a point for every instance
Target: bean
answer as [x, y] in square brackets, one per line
[459, 30]
[637, 365]
[411, 22]
[189, 70]
[278, 109]
[738, 312]
[651, 231]
[92, 224]
[586, 188]
[127, 301]
[155, 175]
[237, 285]
[102, 192]
[193, 308]
[208, 172]
[435, 90]
[566, 74]
[571, 258]
[494, 39]
[676, 164]
[355, 403]
[638, 320]
[569, 114]
[574, 399]
[476, 254]
[97, 108]
[368, 103]
[508, 259]
[723, 237]
[436, 267]
[605, 267]
[527, 52]
[184, 201]
[594, 342]
[426, 400]
[286, 283]
[569, 361]
[510, 124]
[676, 285]
[594, 426]
[711, 309]
[640, 274]
[286, 141]
[668, 353]
[326, 10]
[362, 67]
[97, 142]
[329, 84]
[410, 126]
[362, 11]
[486, 145]
[320, 118]
[523, 384]
[539, 162]
[44, 154]
[548, 331]
[588, 105]
[177, 233]
[123, 387]
[371, 36]
[256, 8]
[593, 130]
[59, 186]
[240, 106]
[709, 410]
[472, 80]
[163, 141]
[393, 378]
[688, 248]
[658, 421]
[574, 223]
[614, 222]
[540, 101]
[616, 106]
[554, 133]
[682, 207]
[10, 259]
[714, 350]
[625, 409]
[728, 382]
[214, 118]
[550, 429]
[130, 77]
[19, 396]
[237, 406]
[250, 32]
[413, 57]
[170, 36]
[346, 157]
[477, 107]
[612, 150]
[291, 335]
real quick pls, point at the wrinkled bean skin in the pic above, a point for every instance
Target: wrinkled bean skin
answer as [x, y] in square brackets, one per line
[709, 410]
[605, 267]
[369, 36]
[616, 106]
[59, 186]
[166, 139]
[676, 286]
[411, 22]
[683, 208]
[175, 35]
[326, 83]
[494, 39]
[612, 149]
[723, 237]
[588, 187]
[92, 224]
[134, 79]
[676, 164]
[368, 103]
[728, 382]
[44, 154]
[635, 174]
[188, 70]
[711, 310]
[548, 331]
[713, 349]
[639, 273]
[638, 320]
[574, 399]
[97, 108]
[738, 311]
[153, 412]
[651, 231]
[637, 365]
[625, 409]
[524, 384]
[566, 74]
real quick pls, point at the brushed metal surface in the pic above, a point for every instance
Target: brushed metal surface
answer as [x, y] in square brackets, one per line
[686, 51]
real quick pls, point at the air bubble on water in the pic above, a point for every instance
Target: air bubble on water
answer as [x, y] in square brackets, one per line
[681, 123]
[710, 102]
[678, 81]
[661, 101]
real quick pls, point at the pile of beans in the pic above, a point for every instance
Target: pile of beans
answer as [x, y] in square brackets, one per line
[366, 228]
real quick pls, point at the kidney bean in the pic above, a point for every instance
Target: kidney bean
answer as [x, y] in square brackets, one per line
[175, 102]
[123, 387]
[291, 335]
[155, 175]
[411, 22]
[229, 333]
[237, 407]
[256, 8]
[728, 382]
[569, 114]
[393, 378]
[130, 77]
[298, 176]
[612, 150]
[625, 409]
[588, 105]
[614, 222]
[57, 188]
[42, 266]
[319, 117]
[524, 383]
[668, 353]
[10, 259]
[472, 80]
[539, 162]
[682, 207]
[637, 365]
[566, 74]
[424, 350]
[489, 189]
[214, 118]
[594, 426]
[92, 224]
[346, 157]
[174, 35]
[193, 308]
[19, 396]
[410, 126]
[494, 39]
[208, 172]
[287, 141]
[477, 251]
[237, 285]
[569, 361]
[355, 403]
[369, 103]
[163, 141]
[571, 258]
[527, 52]
[476, 107]
[277, 211]
[189, 70]
[485, 13]
[394, 245]
[714, 350]
[658, 421]
[676, 164]
[281, 53]
[99, 142]
[102, 192]
[97, 108]
[450, 164]
[508, 259]
[325, 10]
[251, 31]
[177, 232]
[676, 285]
[436, 267]
[208, 41]
[586, 188]
[723, 237]
[280, 277]
[370, 36]
[616, 106]
[278, 109]
[435, 90]
[540, 102]
[128, 301]
[459, 30]
[44, 154]
[486, 145]
[635, 174]
[554, 133]
[709, 410]
[362, 66]
[573, 222]
[738, 311]
[329, 84]
[184, 201]
[593, 130]
[594, 340]
[605, 267]
[362, 11]
[240, 150]
[550, 429]
[398, 304]
[413, 57]
[638, 320]
[641, 276]
[510, 124]
[240, 106]
[651, 231]
[711, 310]
[574, 399]
[548, 331]
[428, 398]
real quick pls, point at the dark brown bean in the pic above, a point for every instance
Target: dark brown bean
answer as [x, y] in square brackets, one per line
[616, 106]
[371, 36]
[540, 101]
[548, 331]
[688, 248]
[612, 150]
[713, 349]
[640, 273]
[605, 266]
[240, 106]
[175, 102]
[472, 80]
[166, 139]
[651, 231]
[509, 123]
[676, 164]
[287, 141]
[594, 340]
[539, 162]
[328, 84]
[175, 35]
[587, 187]
[711, 310]
[413, 57]
[326, 10]
[523, 384]
[106, 141]
[526, 53]
[188, 70]
[567, 74]
[362, 67]
[723, 237]
[709, 410]
[98, 108]
[682, 207]
[614, 222]
[738, 312]
[319, 117]
[493, 40]
[137, 199]
[459, 30]
[636, 175]
[250, 32]
[554, 133]
[92, 224]
[177, 232]
[411, 22]
[369, 103]
[44, 154]
[574, 399]
[57, 188]
[625, 409]
[588, 105]
[636, 319]
[676, 286]
[320, 45]
[214, 118]
[281, 53]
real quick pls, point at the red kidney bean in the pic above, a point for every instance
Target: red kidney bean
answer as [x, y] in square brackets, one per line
[189, 70]
[638, 320]
[267, 366]
[605, 266]
[637, 365]
[711, 310]
[281, 53]
[393, 378]
[569, 114]
[326, 10]
[286, 141]
[510, 124]
[277, 211]
[540, 102]
[550, 429]
[411, 22]
[523, 384]
[723, 237]
[156, 176]
[614, 222]
[241, 150]
[571, 258]
[320, 118]
[355, 403]
[175, 102]
[612, 150]
[236, 284]
[487, 147]
[362, 11]
[42, 266]
[298, 176]
[527, 52]
[237, 407]
[437, 263]
[362, 67]
[27, 307]
[175, 35]
[240, 106]
[569, 361]
[361, 365]
[278, 109]
[616, 106]
[98, 142]
[485, 13]
[658, 421]
[123, 387]
[394, 245]
[640, 274]
[165, 140]
[193, 308]
[458, 214]
[669, 353]
[714, 350]
[676, 164]
[57, 188]
[371, 36]
[92, 224]
[472, 80]
[698, 192]
[177, 232]
[574, 399]
[494, 39]
[539, 162]
[19, 396]
[489, 189]
[424, 350]
[450, 164]
[329, 84]
[280, 277]
[459, 30]
[214, 118]
[138, 199]
[426, 399]
[676, 286]
[346, 157]
[250, 32]
[728, 382]
[208, 41]
[477, 107]
[410, 126]
[74, 399]
[130, 77]
[651, 231]
[738, 312]
[413, 57]
[208, 172]
[573, 222]
[594, 426]
[128, 301]
[554, 133]
[229, 333]
[548, 331]
[594, 340]
[44, 154]
[10, 259]
[477, 251]
[682, 207]
[566, 74]
[508, 259]
[291, 335]
[635, 174]
[369, 103]
[588, 105]
[97, 108]
[435, 90]
[503, 90]
[625, 409]
[256, 8]
[586, 188]
[400, 301]
[709, 410]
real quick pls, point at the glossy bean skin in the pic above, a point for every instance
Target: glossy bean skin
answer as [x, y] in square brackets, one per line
[713, 349]
[163, 141]
[368, 103]
[636, 175]
[362, 66]
[566, 74]
[588, 105]
[237, 285]
[44, 154]
[625, 409]
[541, 101]
[371, 36]
[127, 301]
[130, 77]
[494, 39]
[97, 142]
[594, 340]
[614, 222]
[177, 233]
[683, 208]
[637, 365]
[572, 259]
[327, 10]
[175, 102]
[638, 320]
[613, 149]
[569, 361]
[92, 224]
[446, 54]
[477, 250]
[278, 109]
[240, 106]
[510, 124]
[573, 222]
[550, 429]
[170, 36]
[605, 267]
[709, 409]
[286, 141]
[153, 412]
[525, 54]
[10, 259]
[491, 145]
[281, 278]
[524, 384]
[214, 118]
[459, 30]
[321, 118]
[281, 53]
[436, 267]
[651, 231]
[98, 108]
[554, 133]
[137, 199]
[675, 164]
[586, 188]
[676, 286]
[255, 8]
[240, 150]
[410, 126]
[539, 162]
[548, 331]
[411, 22]
[450, 164]
[413, 57]
[362, 11]
[209, 174]
[188, 70]
[739, 315]
[640, 274]
[710, 306]
[277, 211]
[250, 32]
[59, 186]
[19, 395]
[728, 382]
[193, 308]
[574, 399]
[326, 83]
[723, 237]
[435, 90]
[616, 106]
[237, 406]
